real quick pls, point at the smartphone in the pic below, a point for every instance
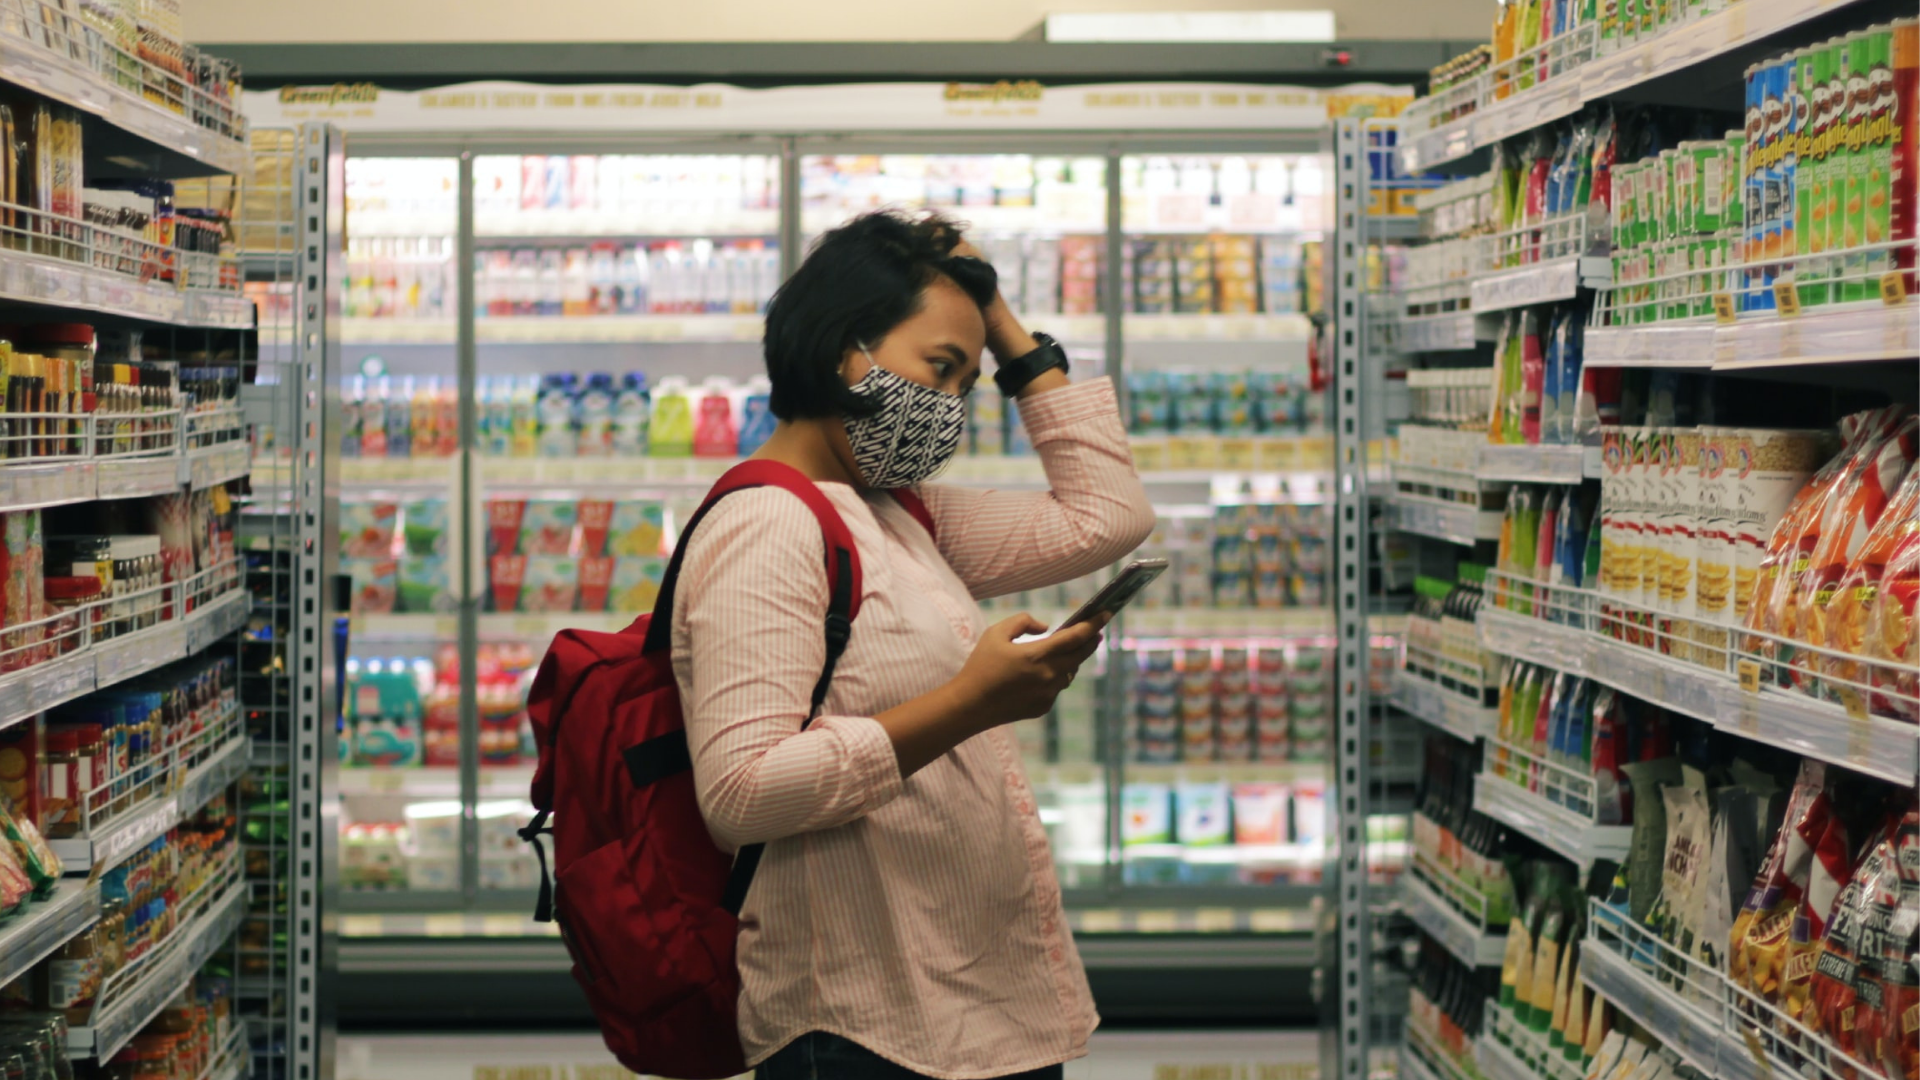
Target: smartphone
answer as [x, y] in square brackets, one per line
[1119, 592]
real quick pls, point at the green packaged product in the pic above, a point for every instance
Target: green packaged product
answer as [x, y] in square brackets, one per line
[1881, 133]
[43, 867]
[1808, 88]
[1733, 212]
[1858, 51]
[1833, 163]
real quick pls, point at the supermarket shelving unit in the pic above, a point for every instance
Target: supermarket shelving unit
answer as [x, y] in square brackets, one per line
[290, 250]
[465, 942]
[142, 121]
[1714, 1026]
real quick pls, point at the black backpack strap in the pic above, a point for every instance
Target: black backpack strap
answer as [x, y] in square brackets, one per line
[746, 861]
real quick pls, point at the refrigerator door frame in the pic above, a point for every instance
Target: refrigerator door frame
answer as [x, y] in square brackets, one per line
[462, 147]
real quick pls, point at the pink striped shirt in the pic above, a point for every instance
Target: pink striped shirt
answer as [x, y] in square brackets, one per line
[919, 918]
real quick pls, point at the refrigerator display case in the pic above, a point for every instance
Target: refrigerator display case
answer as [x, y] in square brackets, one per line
[553, 348]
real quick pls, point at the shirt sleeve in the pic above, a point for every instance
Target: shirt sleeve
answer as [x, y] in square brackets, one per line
[749, 642]
[1095, 512]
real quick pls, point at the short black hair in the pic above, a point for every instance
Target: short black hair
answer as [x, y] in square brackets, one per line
[859, 282]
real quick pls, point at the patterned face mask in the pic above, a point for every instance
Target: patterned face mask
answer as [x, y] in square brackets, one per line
[911, 436]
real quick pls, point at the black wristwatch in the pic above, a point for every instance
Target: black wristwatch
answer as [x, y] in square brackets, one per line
[1014, 374]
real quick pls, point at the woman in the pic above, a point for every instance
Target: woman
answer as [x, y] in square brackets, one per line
[905, 920]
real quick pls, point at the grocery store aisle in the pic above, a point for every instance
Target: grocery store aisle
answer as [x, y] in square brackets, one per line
[1126, 1055]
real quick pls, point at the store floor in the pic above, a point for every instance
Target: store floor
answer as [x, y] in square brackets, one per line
[1120, 1055]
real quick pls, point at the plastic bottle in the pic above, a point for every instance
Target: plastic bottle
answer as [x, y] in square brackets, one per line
[524, 413]
[633, 280]
[596, 416]
[632, 414]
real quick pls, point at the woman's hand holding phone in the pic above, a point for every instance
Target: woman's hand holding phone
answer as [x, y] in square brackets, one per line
[1004, 680]
[1012, 680]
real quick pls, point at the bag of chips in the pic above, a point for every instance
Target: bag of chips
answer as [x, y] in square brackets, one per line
[1762, 606]
[43, 867]
[1760, 930]
[1845, 965]
[1899, 1046]
[1892, 633]
[1852, 514]
[1841, 623]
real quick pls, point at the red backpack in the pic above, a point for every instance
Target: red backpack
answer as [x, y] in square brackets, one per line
[648, 906]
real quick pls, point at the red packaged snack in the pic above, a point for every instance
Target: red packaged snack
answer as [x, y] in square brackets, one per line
[1851, 514]
[1893, 634]
[1845, 965]
[596, 522]
[503, 525]
[1789, 542]
[1900, 1041]
[596, 580]
[505, 575]
[1841, 622]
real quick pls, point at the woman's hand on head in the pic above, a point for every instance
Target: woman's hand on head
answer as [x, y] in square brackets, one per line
[1007, 680]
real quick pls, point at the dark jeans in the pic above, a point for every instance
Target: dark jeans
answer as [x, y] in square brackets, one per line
[820, 1056]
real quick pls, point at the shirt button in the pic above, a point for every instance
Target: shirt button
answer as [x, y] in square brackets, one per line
[1026, 807]
[1046, 926]
[1055, 954]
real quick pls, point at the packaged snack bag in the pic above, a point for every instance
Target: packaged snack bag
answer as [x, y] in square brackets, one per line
[1755, 955]
[366, 529]
[596, 525]
[637, 528]
[552, 582]
[1892, 633]
[1846, 965]
[636, 583]
[375, 584]
[426, 585]
[424, 524]
[596, 581]
[506, 574]
[1841, 623]
[1850, 517]
[549, 526]
[43, 867]
[504, 517]
[1899, 1050]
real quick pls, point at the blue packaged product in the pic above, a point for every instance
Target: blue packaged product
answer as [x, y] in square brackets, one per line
[756, 418]
[1147, 406]
[632, 409]
[555, 410]
[1192, 403]
[1572, 340]
[595, 416]
[1754, 230]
